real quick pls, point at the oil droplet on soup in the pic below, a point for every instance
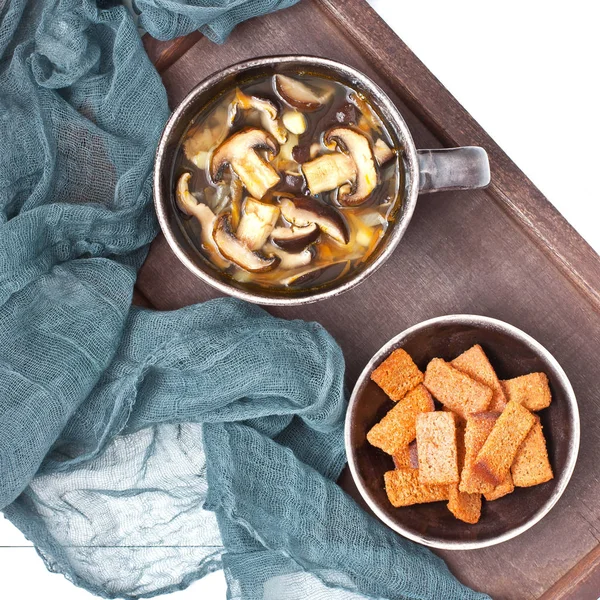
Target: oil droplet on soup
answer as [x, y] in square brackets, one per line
[287, 182]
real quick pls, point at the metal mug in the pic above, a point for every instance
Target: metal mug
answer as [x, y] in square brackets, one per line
[425, 171]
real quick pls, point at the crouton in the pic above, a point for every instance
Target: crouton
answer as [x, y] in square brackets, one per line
[476, 365]
[436, 448]
[455, 390]
[499, 450]
[464, 506]
[397, 375]
[531, 465]
[406, 458]
[505, 488]
[397, 429]
[403, 488]
[532, 391]
[477, 429]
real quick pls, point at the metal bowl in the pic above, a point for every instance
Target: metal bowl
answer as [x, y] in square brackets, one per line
[424, 171]
[512, 353]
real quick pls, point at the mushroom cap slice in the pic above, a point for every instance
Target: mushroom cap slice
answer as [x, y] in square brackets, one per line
[257, 222]
[239, 152]
[358, 147]
[303, 211]
[329, 172]
[295, 239]
[269, 114]
[236, 251]
[290, 260]
[298, 94]
[185, 201]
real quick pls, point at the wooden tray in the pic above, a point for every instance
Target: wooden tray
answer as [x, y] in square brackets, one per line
[503, 252]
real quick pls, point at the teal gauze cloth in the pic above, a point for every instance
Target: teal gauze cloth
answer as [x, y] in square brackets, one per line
[141, 450]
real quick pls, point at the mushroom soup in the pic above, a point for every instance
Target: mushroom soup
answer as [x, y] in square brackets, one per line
[287, 182]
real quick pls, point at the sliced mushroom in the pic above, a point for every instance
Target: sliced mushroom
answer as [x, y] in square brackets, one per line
[190, 206]
[237, 252]
[257, 222]
[295, 239]
[239, 152]
[372, 119]
[292, 182]
[298, 94]
[269, 115]
[290, 260]
[285, 159]
[329, 172]
[294, 121]
[303, 211]
[383, 153]
[359, 149]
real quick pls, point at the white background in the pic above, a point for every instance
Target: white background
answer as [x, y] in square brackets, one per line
[528, 72]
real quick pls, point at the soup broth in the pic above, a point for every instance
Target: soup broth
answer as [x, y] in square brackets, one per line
[287, 182]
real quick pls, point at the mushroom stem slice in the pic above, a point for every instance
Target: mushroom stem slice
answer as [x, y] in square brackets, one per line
[295, 239]
[303, 211]
[236, 251]
[359, 149]
[256, 174]
[269, 115]
[383, 153]
[257, 222]
[328, 172]
[239, 152]
[190, 206]
[298, 94]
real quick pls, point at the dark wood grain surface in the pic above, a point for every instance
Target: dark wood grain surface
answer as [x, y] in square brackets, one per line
[503, 252]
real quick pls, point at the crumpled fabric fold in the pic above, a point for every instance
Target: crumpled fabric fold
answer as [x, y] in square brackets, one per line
[141, 450]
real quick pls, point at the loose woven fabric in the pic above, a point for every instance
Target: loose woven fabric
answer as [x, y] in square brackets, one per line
[141, 450]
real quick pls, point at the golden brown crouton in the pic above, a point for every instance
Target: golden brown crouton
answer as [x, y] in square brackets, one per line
[531, 465]
[397, 429]
[436, 448]
[499, 450]
[505, 488]
[456, 390]
[477, 429]
[532, 391]
[397, 375]
[406, 458]
[403, 488]
[466, 507]
[476, 365]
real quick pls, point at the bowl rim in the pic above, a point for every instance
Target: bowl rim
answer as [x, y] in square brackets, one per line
[394, 121]
[478, 320]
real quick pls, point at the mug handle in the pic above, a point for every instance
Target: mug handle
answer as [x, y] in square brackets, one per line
[466, 168]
